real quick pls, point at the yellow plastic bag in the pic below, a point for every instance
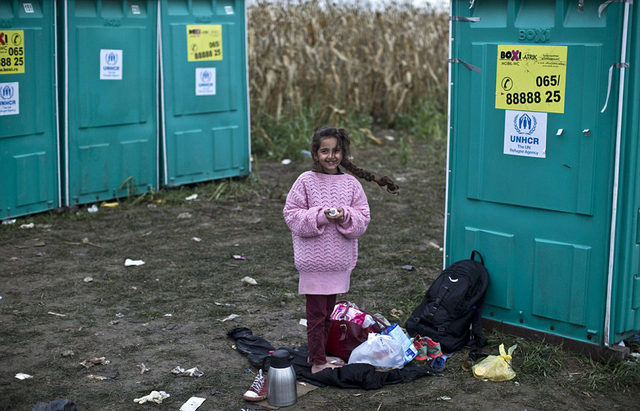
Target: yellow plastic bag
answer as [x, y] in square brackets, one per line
[496, 367]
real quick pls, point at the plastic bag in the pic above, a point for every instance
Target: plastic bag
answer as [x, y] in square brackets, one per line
[395, 332]
[496, 367]
[381, 351]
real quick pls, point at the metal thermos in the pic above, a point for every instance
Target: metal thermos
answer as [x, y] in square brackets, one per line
[281, 380]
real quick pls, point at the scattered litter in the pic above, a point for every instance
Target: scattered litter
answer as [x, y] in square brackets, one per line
[97, 377]
[443, 398]
[621, 344]
[128, 262]
[433, 245]
[0, 297]
[303, 321]
[396, 313]
[154, 396]
[143, 368]
[104, 375]
[56, 314]
[357, 395]
[90, 362]
[191, 372]
[120, 315]
[152, 206]
[286, 162]
[30, 225]
[86, 241]
[306, 153]
[184, 215]
[516, 383]
[635, 355]
[197, 240]
[13, 259]
[230, 318]
[408, 267]
[68, 353]
[110, 205]
[223, 304]
[93, 209]
[168, 315]
[192, 404]
[36, 242]
[23, 376]
[114, 322]
[88, 279]
[191, 197]
[249, 281]
[7, 222]
[238, 257]
[390, 138]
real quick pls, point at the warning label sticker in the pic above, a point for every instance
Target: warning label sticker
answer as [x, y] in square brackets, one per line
[11, 51]
[531, 78]
[204, 42]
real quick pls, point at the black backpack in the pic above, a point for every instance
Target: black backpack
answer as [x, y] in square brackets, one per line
[451, 310]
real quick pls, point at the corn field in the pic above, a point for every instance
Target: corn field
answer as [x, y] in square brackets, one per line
[345, 58]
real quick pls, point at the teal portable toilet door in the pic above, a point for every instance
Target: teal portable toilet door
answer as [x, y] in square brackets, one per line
[531, 158]
[29, 165]
[205, 106]
[110, 94]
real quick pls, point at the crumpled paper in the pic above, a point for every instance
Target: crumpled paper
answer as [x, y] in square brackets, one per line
[129, 262]
[154, 396]
[191, 372]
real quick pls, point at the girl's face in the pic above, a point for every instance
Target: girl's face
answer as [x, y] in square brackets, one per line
[329, 155]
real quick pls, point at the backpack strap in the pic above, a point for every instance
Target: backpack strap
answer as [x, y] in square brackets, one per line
[473, 254]
[442, 292]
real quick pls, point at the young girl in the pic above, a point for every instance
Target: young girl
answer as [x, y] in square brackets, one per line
[327, 211]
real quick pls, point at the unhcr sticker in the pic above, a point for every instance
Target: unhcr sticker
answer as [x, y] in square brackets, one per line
[525, 133]
[206, 81]
[110, 64]
[9, 99]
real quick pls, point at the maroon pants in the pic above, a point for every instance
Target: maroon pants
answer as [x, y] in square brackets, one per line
[319, 309]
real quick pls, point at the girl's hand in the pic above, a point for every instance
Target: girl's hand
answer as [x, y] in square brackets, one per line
[334, 215]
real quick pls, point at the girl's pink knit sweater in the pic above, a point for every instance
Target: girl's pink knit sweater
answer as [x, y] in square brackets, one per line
[324, 252]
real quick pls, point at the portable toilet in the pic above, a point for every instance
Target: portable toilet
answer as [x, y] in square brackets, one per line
[204, 83]
[538, 146]
[29, 166]
[109, 95]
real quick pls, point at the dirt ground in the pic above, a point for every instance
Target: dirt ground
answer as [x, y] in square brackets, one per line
[169, 311]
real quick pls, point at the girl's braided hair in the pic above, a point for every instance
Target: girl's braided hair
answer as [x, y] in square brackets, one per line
[345, 143]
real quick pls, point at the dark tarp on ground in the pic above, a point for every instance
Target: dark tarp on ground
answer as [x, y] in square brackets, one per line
[349, 376]
[56, 405]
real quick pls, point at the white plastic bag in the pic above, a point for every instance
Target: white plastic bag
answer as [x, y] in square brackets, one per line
[381, 351]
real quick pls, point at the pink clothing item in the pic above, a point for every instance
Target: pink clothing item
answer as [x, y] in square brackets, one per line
[325, 253]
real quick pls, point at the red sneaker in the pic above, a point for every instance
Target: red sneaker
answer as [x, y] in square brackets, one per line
[258, 390]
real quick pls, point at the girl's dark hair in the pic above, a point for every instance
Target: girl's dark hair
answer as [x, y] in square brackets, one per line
[345, 144]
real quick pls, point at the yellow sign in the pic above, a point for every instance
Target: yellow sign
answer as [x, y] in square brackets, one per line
[11, 51]
[531, 78]
[204, 42]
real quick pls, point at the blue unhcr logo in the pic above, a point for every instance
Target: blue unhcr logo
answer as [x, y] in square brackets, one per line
[7, 92]
[525, 124]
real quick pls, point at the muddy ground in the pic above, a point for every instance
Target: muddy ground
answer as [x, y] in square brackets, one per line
[169, 311]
